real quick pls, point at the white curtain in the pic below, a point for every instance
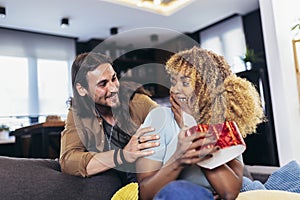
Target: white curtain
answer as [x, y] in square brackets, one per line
[21, 53]
[226, 38]
[27, 44]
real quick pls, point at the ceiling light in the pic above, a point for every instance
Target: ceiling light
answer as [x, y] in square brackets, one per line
[157, 2]
[2, 12]
[64, 22]
[163, 7]
[154, 38]
[114, 31]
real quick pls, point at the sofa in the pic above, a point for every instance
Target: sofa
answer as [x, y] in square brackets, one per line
[41, 179]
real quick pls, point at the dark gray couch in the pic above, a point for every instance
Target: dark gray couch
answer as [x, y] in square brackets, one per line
[39, 179]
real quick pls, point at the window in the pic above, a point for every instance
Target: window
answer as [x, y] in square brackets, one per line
[34, 75]
[226, 38]
[52, 87]
[14, 92]
[14, 84]
[32, 89]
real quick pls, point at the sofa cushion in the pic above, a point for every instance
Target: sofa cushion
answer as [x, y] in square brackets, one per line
[25, 178]
[128, 192]
[286, 178]
[268, 195]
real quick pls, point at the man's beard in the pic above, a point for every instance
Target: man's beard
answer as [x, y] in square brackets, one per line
[107, 109]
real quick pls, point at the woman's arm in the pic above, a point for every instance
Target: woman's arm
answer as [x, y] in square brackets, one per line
[226, 179]
[153, 175]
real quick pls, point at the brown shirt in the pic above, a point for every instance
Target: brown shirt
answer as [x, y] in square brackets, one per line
[84, 137]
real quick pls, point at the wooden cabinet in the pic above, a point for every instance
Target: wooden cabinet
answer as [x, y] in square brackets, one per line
[40, 140]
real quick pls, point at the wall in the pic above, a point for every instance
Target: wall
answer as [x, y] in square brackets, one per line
[262, 146]
[277, 18]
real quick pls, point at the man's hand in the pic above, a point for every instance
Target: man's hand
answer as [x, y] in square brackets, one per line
[138, 142]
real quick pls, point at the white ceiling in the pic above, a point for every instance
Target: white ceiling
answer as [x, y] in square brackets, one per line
[94, 18]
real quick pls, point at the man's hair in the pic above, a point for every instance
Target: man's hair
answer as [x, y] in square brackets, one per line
[84, 106]
[219, 95]
[83, 64]
[123, 114]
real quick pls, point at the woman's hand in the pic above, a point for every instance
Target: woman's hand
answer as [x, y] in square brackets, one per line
[177, 108]
[194, 148]
[138, 142]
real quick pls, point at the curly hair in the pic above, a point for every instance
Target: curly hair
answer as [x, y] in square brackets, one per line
[219, 94]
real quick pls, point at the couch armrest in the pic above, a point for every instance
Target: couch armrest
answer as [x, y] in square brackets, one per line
[260, 173]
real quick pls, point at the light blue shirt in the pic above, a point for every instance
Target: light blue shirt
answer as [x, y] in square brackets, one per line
[162, 120]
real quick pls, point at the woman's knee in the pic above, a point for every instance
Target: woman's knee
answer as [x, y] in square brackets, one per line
[182, 189]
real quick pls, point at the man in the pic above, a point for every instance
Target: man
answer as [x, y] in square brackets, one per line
[100, 133]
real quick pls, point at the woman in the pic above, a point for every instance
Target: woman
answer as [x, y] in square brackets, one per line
[203, 86]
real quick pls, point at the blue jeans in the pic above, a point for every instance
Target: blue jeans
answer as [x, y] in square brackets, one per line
[182, 189]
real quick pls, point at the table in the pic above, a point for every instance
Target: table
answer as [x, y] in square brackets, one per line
[9, 140]
[7, 146]
[41, 132]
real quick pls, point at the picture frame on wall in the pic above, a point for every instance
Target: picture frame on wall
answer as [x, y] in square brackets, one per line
[296, 50]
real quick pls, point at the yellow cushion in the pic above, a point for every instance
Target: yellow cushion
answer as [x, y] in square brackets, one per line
[268, 194]
[128, 192]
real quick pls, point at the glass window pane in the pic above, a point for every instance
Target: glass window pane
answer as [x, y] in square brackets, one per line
[227, 38]
[214, 44]
[52, 86]
[14, 86]
[235, 49]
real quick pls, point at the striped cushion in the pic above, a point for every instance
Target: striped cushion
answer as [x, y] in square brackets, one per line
[128, 192]
[286, 178]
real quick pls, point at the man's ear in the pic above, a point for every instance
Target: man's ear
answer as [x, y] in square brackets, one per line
[81, 90]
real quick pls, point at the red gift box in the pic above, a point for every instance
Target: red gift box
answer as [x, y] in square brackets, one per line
[228, 138]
